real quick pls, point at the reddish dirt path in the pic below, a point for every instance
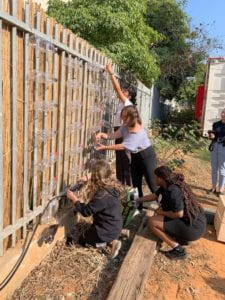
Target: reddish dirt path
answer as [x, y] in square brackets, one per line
[202, 274]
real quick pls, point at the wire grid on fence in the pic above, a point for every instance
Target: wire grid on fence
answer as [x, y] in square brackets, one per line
[53, 97]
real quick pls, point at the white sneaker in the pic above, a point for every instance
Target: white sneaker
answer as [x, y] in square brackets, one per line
[116, 246]
[101, 246]
[137, 212]
[125, 233]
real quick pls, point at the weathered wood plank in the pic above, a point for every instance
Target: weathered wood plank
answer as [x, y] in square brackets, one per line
[131, 279]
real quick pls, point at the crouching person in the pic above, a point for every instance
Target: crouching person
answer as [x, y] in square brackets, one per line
[179, 218]
[104, 206]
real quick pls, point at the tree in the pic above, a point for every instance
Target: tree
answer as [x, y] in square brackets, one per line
[182, 49]
[187, 90]
[118, 28]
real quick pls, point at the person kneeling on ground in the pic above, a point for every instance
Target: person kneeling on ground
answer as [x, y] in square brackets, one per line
[104, 206]
[179, 217]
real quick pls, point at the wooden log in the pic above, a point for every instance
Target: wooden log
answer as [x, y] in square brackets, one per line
[133, 274]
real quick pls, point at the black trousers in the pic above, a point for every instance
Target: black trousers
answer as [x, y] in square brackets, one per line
[143, 163]
[123, 173]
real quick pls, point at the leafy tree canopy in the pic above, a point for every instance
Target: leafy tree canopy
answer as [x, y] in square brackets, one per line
[182, 49]
[118, 28]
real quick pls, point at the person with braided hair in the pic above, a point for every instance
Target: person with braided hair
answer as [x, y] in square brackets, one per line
[179, 218]
[138, 147]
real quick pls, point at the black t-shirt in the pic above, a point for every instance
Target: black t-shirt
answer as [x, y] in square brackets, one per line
[106, 209]
[172, 198]
[219, 129]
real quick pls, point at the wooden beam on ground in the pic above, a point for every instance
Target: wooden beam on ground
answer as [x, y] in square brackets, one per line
[134, 272]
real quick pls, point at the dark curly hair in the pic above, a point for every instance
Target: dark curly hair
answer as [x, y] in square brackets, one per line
[132, 93]
[191, 206]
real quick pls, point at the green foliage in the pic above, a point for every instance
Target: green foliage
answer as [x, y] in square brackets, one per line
[117, 28]
[180, 135]
[181, 51]
[175, 163]
[187, 91]
[183, 117]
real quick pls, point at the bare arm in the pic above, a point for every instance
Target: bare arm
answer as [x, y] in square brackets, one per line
[110, 147]
[170, 214]
[115, 82]
[148, 198]
[110, 136]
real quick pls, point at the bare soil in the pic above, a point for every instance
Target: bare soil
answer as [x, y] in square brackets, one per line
[70, 273]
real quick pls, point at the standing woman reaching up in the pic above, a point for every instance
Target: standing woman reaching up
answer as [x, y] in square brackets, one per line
[138, 147]
[126, 96]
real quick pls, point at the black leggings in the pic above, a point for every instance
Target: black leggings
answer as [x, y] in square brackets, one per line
[123, 173]
[143, 163]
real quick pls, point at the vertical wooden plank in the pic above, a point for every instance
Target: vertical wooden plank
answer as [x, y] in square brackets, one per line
[55, 98]
[74, 136]
[77, 98]
[90, 102]
[1, 138]
[20, 117]
[61, 115]
[68, 123]
[85, 100]
[14, 121]
[35, 131]
[26, 112]
[45, 115]
[6, 122]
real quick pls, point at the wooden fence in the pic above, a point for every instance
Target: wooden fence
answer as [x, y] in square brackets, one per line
[53, 97]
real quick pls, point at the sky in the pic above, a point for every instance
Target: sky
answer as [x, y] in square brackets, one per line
[210, 12]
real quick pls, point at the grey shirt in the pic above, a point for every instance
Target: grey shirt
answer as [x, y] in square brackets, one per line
[134, 141]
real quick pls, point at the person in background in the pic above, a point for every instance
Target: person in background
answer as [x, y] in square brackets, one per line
[217, 148]
[179, 218]
[126, 96]
[138, 147]
[104, 206]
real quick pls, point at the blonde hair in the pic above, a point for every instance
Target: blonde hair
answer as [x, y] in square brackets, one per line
[101, 179]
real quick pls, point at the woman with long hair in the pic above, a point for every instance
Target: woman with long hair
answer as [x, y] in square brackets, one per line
[137, 145]
[179, 218]
[104, 206]
[126, 96]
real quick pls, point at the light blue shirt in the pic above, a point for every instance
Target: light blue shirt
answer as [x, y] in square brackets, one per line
[134, 141]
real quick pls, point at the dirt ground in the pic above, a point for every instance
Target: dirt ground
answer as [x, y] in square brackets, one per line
[202, 274]
[72, 273]
[78, 273]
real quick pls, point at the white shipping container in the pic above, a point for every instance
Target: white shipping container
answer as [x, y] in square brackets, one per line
[214, 100]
